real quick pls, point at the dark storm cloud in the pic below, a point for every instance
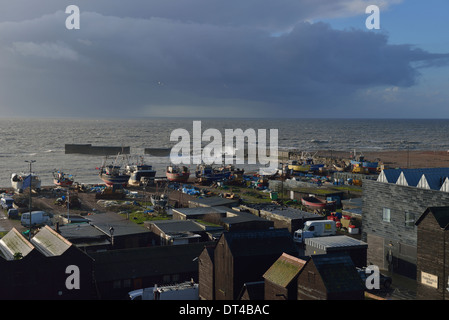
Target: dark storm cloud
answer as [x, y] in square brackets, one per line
[260, 13]
[142, 58]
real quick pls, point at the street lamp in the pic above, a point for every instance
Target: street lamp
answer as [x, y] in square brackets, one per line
[30, 182]
[111, 231]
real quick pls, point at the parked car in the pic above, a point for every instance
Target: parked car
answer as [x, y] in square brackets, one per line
[384, 281]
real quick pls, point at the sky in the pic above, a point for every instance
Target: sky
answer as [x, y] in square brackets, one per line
[234, 58]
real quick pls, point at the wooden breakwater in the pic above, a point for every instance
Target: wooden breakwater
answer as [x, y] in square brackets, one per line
[95, 150]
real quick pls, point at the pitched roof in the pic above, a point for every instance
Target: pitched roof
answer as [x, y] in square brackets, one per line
[122, 226]
[169, 226]
[411, 177]
[284, 270]
[14, 243]
[50, 243]
[338, 272]
[441, 215]
[431, 181]
[252, 290]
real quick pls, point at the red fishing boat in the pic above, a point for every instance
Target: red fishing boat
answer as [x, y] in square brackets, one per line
[61, 179]
[177, 174]
[316, 203]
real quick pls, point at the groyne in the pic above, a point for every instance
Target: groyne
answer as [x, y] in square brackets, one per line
[95, 150]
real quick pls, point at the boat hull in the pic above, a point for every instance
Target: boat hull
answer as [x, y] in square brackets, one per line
[299, 168]
[63, 183]
[316, 203]
[177, 174]
[121, 180]
[17, 181]
[177, 177]
[371, 166]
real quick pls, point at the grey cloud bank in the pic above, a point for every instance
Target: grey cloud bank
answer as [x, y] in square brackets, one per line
[200, 57]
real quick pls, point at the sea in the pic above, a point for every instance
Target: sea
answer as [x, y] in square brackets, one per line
[42, 141]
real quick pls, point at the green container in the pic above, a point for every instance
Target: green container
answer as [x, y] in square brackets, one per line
[273, 195]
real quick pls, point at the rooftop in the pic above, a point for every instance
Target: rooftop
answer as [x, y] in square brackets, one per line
[13, 243]
[338, 272]
[427, 178]
[50, 243]
[334, 242]
[284, 270]
[441, 215]
[213, 202]
[260, 242]
[122, 226]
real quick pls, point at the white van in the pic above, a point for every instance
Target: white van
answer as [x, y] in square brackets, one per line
[38, 218]
[317, 228]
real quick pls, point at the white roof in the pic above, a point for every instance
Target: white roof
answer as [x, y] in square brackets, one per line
[334, 242]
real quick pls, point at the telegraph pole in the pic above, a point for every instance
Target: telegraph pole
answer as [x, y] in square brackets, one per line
[30, 177]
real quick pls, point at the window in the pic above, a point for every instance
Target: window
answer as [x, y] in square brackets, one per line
[166, 278]
[116, 284]
[409, 219]
[127, 283]
[175, 278]
[311, 277]
[386, 215]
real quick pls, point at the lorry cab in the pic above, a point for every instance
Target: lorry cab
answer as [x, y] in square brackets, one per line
[317, 228]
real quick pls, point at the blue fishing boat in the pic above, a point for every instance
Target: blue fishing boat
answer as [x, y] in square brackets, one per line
[206, 173]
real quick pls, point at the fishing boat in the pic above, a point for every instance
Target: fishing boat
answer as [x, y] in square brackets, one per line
[140, 172]
[113, 174]
[61, 179]
[20, 182]
[360, 161]
[298, 166]
[316, 203]
[177, 174]
[207, 174]
[307, 164]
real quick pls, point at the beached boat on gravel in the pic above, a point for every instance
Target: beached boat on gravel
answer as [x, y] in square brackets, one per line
[113, 174]
[177, 174]
[140, 172]
[314, 202]
[21, 181]
[61, 179]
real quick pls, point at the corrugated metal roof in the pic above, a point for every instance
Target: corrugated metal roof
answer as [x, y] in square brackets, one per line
[431, 181]
[14, 243]
[284, 270]
[338, 273]
[445, 186]
[324, 243]
[389, 175]
[50, 243]
[411, 177]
